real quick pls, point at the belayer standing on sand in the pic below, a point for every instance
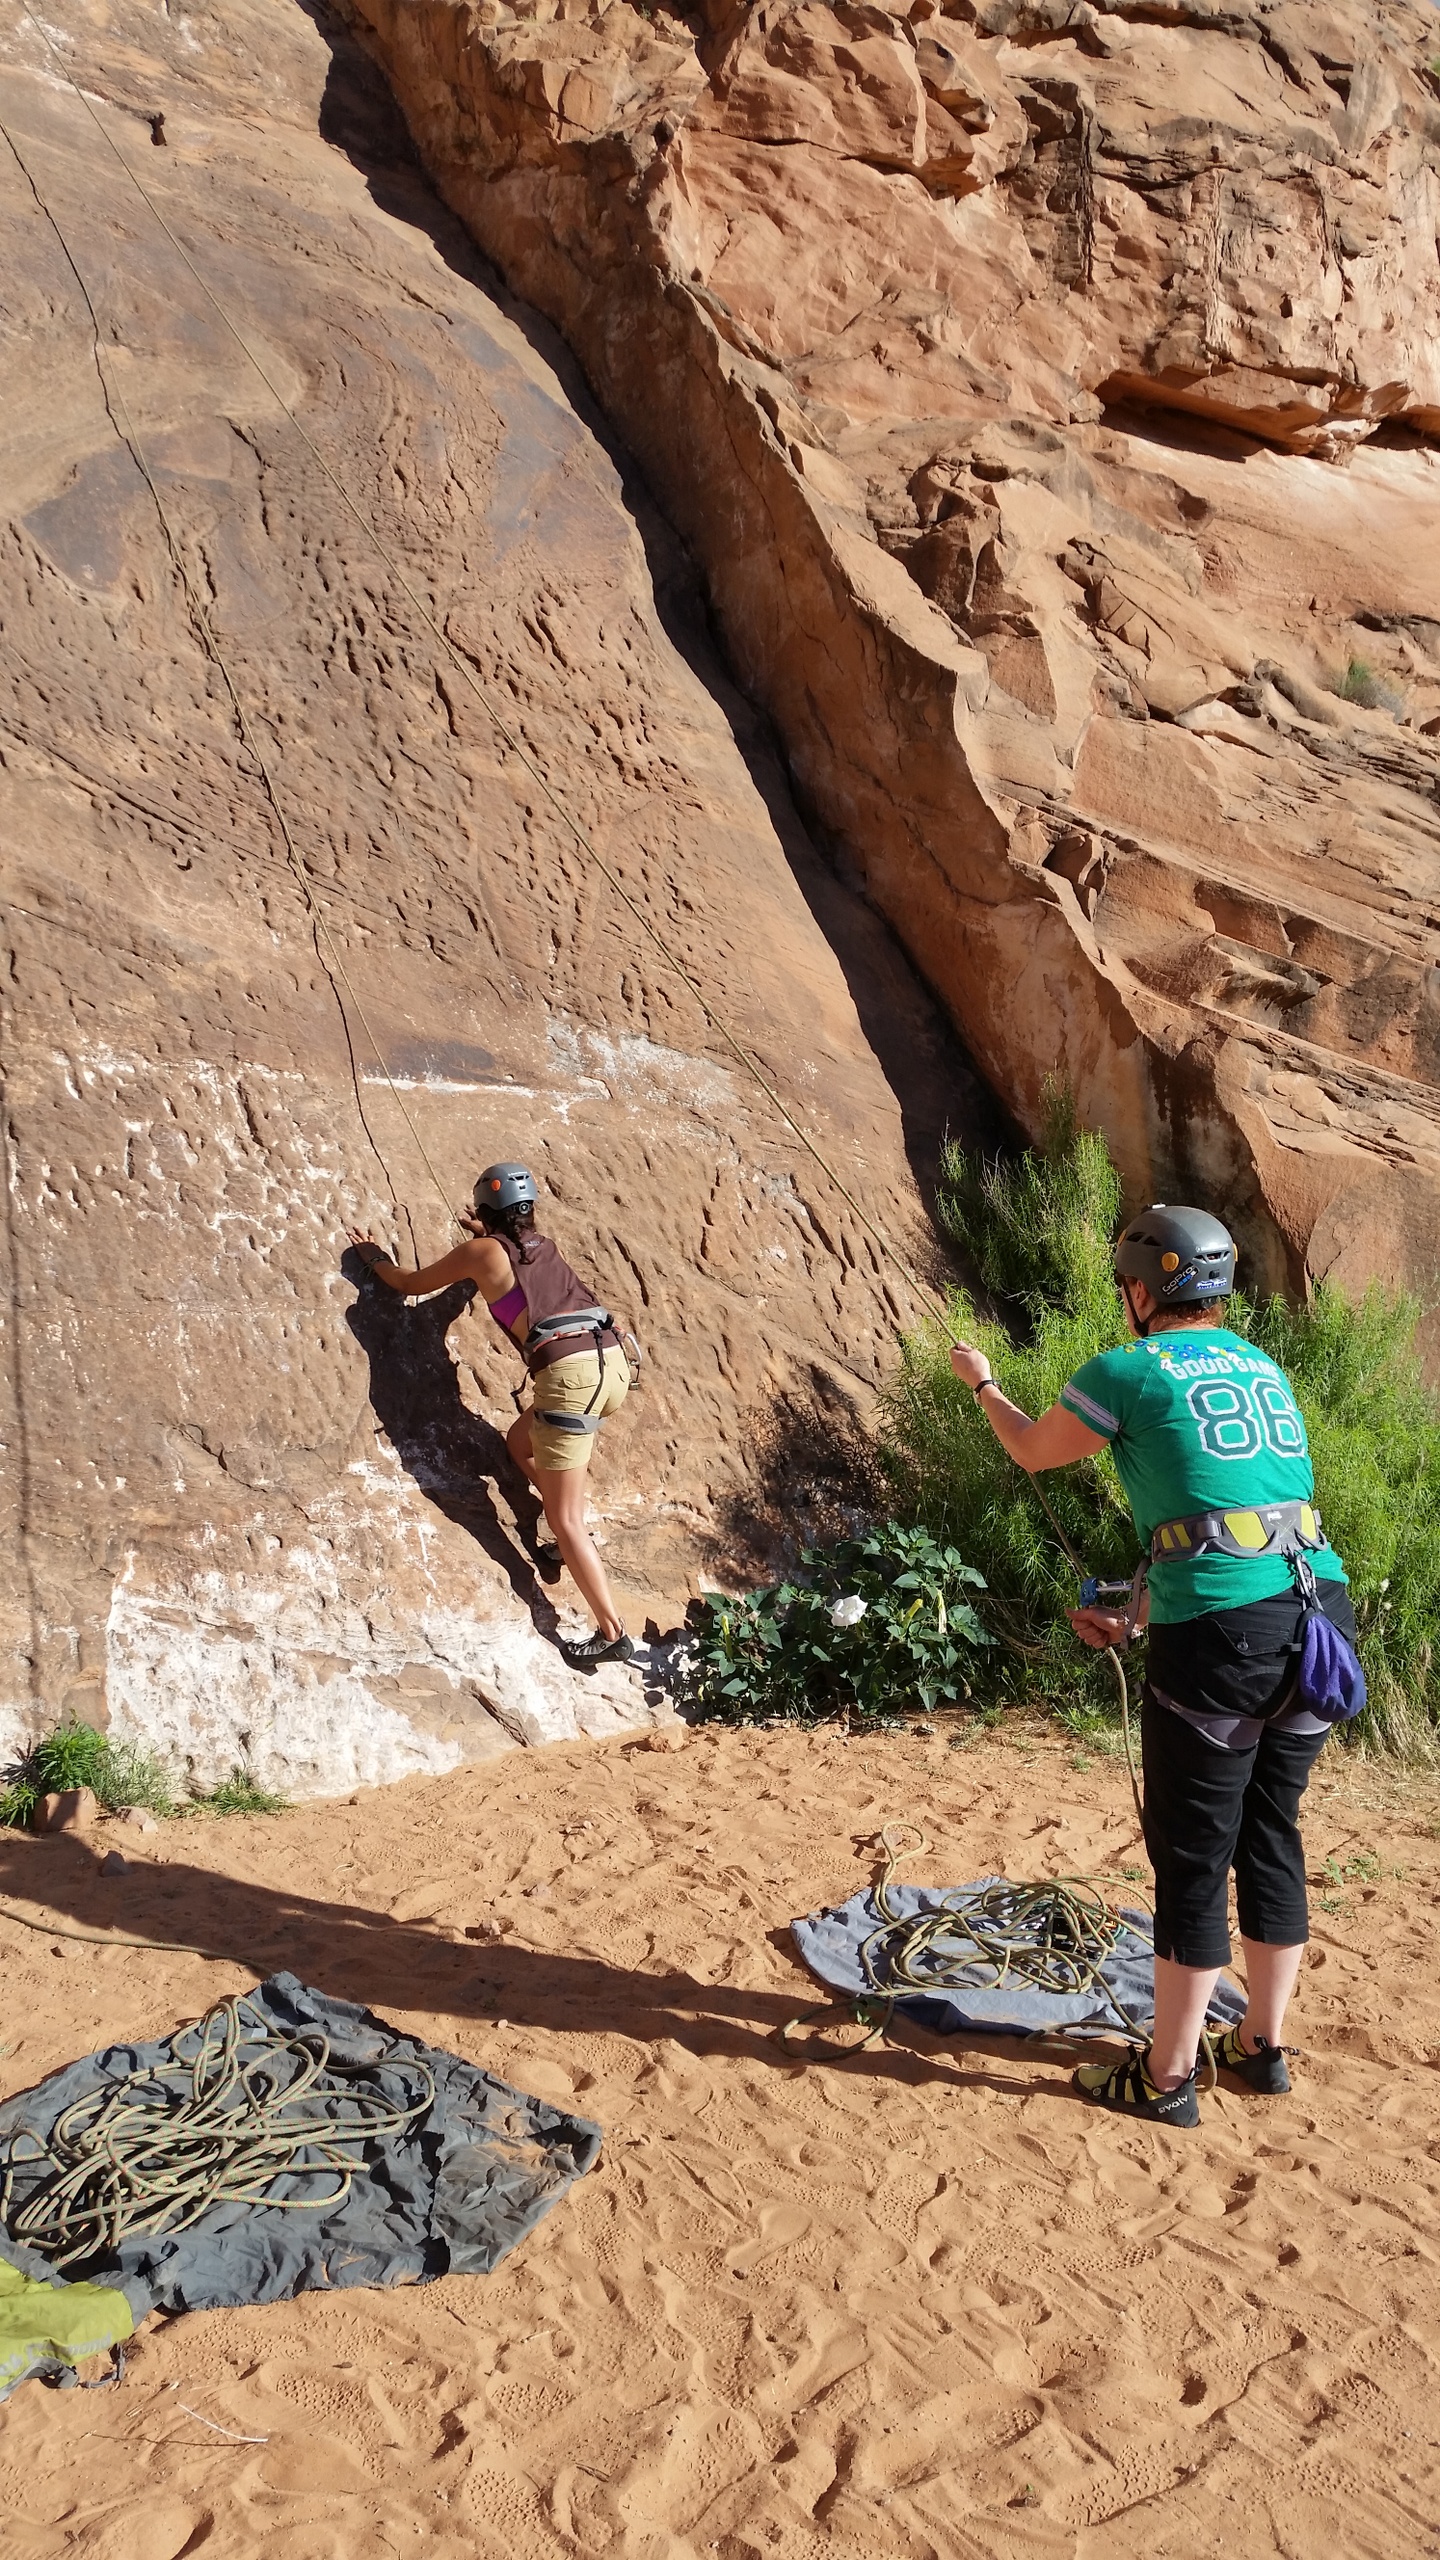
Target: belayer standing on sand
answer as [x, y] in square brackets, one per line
[577, 1365]
[1245, 1677]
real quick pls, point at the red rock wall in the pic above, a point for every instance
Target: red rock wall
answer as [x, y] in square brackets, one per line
[1048, 392]
[249, 1511]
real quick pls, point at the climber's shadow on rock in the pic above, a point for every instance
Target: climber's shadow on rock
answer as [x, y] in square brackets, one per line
[452, 1454]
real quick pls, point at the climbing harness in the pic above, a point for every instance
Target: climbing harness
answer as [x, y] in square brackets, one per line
[150, 2154]
[543, 1277]
[1273, 1529]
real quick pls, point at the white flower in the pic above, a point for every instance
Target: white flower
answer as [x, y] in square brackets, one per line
[849, 1611]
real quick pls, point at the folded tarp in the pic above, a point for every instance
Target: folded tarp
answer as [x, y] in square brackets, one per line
[452, 2192]
[830, 1943]
[47, 2326]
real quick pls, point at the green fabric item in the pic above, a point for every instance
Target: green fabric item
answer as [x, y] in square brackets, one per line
[1199, 1420]
[43, 2324]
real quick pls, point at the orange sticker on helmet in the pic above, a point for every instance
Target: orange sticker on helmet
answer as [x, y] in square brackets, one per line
[1169, 1261]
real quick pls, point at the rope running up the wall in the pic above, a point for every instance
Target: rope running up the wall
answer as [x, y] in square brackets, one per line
[516, 744]
[333, 964]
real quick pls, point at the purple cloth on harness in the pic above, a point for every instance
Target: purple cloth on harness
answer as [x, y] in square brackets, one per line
[1331, 1681]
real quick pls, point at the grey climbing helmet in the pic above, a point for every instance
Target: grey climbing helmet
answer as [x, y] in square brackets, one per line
[1184, 1256]
[505, 1186]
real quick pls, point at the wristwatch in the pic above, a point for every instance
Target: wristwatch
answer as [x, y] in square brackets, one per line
[979, 1388]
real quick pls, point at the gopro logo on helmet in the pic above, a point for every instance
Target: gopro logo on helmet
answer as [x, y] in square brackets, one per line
[1181, 1280]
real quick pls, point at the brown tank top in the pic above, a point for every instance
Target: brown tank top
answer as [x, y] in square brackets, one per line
[549, 1288]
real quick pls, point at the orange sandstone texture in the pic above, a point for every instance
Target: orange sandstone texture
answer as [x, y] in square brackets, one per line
[247, 1512]
[999, 363]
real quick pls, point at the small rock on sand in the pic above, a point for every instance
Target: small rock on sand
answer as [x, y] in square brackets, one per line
[112, 1864]
[74, 1809]
[138, 1817]
[667, 1737]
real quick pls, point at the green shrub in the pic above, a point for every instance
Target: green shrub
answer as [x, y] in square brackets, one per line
[1039, 1233]
[1363, 684]
[117, 1774]
[877, 1623]
[75, 1755]
[1374, 1431]
[239, 1793]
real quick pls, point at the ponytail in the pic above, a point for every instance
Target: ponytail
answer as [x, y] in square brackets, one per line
[516, 1222]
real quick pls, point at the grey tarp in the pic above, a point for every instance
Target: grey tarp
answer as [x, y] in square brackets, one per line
[454, 2192]
[830, 1943]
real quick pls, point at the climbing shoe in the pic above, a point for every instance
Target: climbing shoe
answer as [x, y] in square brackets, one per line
[588, 1655]
[1128, 2087]
[1263, 2070]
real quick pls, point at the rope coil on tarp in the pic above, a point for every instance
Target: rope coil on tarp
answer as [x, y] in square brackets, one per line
[1054, 1937]
[151, 2154]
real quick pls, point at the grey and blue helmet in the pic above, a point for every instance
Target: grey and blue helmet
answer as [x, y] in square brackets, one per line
[505, 1186]
[1184, 1256]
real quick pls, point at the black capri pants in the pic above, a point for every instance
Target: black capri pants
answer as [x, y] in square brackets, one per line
[1208, 1810]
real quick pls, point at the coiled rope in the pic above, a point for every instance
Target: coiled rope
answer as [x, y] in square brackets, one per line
[152, 2153]
[1055, 1937]
[1052, 1937]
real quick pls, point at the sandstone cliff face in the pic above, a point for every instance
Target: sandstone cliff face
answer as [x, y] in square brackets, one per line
[999, 361]
[251, 1510]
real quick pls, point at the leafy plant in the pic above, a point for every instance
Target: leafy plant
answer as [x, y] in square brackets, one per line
[1374, 1429]
[75, 1755]
[117, 1774]
[1038, 1231]
[877, 1623]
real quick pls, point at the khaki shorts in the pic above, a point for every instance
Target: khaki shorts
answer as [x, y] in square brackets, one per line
[566, 1388]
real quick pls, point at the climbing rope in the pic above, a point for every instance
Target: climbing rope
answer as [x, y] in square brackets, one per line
[1055, 1937]
[466, 672]
[329, 956]
[1112, 1654]
[107, 1938]
[1052, 1937]
[149, 2155]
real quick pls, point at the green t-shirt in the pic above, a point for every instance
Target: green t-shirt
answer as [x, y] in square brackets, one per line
[1199, 1420]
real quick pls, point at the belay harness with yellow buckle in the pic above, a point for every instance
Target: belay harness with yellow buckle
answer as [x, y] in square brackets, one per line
[1329, 1679]
[1285, 1529]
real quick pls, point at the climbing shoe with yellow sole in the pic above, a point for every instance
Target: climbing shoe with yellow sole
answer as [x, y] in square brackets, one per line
[1263, 2070]
[1128, 2088]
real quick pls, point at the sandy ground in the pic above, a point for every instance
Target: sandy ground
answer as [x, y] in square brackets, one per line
[922, 2302]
